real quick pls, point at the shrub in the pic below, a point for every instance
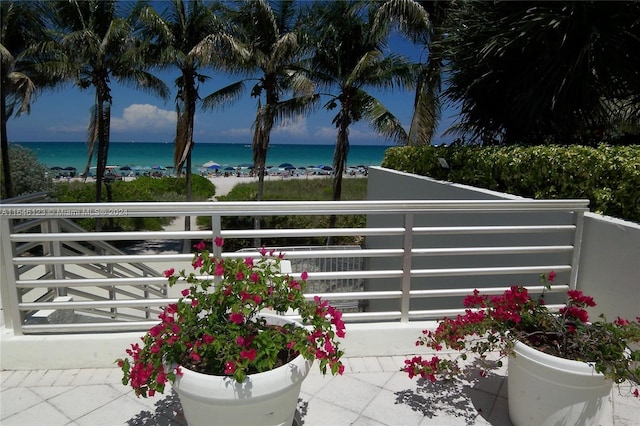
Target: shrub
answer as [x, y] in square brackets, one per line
[609, 176]
[27, 174]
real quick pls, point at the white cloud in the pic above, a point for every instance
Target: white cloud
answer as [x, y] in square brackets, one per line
[144, 117]
[294, 127]
[326, 132]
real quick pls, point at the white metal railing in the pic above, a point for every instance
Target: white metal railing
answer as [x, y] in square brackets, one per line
[397, 263]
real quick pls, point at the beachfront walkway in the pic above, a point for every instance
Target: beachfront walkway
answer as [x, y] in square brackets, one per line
[371, 392]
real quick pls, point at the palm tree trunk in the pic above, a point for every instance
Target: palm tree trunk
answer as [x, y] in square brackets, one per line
[339, 160]
[6, 167]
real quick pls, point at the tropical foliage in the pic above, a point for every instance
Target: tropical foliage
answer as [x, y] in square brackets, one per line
[217, 328]
[268, 47]
[27, 174]
[609, 176]
[562, 72]
[494, 323]
[347, 70]
[548, 72]
[92, 44]
[182, 36]
[21, 25]
[423, 22]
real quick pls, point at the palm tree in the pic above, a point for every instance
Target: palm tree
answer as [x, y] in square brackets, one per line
[94, 44]
[349, 59]
[22, 25]
[183, 36]
[423, 22]
[267, 42]
[544, 72]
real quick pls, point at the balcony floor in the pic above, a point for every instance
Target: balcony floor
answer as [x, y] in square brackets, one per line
[371, 392]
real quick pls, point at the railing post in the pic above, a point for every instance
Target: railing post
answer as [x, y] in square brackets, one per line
[216, 231]
[8, 291]
[577, 246]
[56, 248]
[405, 301]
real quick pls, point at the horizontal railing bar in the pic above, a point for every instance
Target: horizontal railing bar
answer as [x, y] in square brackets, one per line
[453, 230]
[135, 259]
[362, 295]
[92, 282]
[500, 270]
[462, 292]
[96, 327]
[492, 250]
[194, 235]
[252, 208]
[203, 235]
[129, 303]
[311, 232]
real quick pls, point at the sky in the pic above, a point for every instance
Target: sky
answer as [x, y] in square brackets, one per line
[62, 115]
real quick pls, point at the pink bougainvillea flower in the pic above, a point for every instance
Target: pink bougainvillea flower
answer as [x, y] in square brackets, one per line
[169, 272]
[199, 246]
[198, 263]
[248, 261]
[249, 354]
[236, 317]
[254, 277]
[218, 241]
[263, 251]
[229, 367]
[304, 275]
[219, 271]
[207, 338]
[185, 292]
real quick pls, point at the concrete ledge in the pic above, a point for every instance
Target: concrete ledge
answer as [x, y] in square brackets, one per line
[101, 350]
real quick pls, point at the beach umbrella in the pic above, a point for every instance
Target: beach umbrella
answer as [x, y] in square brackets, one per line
[69, 168]
[125, 168]
[56, 168]
[213, 167]
[289, 168]
[209, 164]
[229, 168]
[285, 165]
[158, 168]
[302, 168]
[247, 165]
[326, 167]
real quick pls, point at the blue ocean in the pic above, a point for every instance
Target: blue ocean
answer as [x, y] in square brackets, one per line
[151, 154]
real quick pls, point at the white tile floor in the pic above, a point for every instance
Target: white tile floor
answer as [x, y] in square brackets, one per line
[372, 392]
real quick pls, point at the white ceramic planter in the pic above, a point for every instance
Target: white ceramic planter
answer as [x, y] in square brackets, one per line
[268, 398]
[547, 390]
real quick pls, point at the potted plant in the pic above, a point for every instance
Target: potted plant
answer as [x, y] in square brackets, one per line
[221, 349]
[561, 366]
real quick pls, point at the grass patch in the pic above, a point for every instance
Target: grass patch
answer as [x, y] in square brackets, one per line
[316, 189]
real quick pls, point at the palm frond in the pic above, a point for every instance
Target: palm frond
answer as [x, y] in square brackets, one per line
[382, 120]
[223, 97]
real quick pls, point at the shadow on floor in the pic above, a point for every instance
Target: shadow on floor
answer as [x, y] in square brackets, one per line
[168, 412]
[471, 396]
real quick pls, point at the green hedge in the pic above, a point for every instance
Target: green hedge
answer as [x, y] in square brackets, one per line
[609, 176]
[143, 188]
